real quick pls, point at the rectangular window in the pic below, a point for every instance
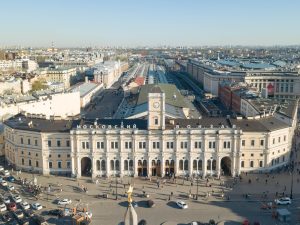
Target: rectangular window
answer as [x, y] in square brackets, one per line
[228, 144]
[83, 145]
[262, 142]
[35, 142]
[243, 142]
[209, 144]
[59, 164]
[49, 143]
[50, 165]
[170, 145]
[156, 121]
[58, 143]
[37, 163]
[144, 145]
[68, 165]
[68, 143]
[87, 144]
[98, 144]
[22, 141]
[198, 144]
[284, 138]
[242, 164]
[126, 145]
[28, 141]
[102, 145]
[252, 142]
[291, 88]
[225, 144]
[251, 164]
[278, 139]
[29, 162]
[214, 144]
[260, 163]
[273, 141]
[140, 145]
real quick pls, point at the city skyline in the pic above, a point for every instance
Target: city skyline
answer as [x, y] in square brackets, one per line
[155, 23]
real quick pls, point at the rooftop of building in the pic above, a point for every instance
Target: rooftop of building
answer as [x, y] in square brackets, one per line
[172, 95]
[84, 88]
[43, 125]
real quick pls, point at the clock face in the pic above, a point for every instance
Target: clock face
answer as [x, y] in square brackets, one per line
[156, 105]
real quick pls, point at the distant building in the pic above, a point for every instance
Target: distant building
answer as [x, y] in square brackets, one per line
[88, 90]
[46, 104]
[29, 65]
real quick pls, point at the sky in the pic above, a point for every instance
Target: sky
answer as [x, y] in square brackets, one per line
[82, 23]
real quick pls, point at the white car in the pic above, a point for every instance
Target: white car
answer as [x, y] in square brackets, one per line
[64, 201]
[6, 200]
[182, 204]
[283, 201]
[2, 207]
[17, 199]
[5, 173]
[36, 206]
[11, 188]
[25, 205]
[1, 168]
[4, 183]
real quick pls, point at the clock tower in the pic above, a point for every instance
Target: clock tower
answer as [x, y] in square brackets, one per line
[156, 109]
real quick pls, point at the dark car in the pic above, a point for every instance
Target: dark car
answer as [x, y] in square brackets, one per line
[6, 217]
[24, 221]
[19, 214]
[150, 203]
[56, 212]
[39, 220]
[29, 212]
[10, 179]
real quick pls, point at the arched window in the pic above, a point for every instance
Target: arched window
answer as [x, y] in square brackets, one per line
[186, 165]
[214, 164]
[158, 163]
[167, 163]
[145, 163]
[112, 165]
[131, 165]
[172, 163]
[199, 164]
[153, 163]
[103, 165]
[125, 164]
[117, 164]
[140, 163]
[194, 164]
[98, 165]
[181, 164]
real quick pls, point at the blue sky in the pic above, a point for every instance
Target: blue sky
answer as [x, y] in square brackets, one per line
[149, 22]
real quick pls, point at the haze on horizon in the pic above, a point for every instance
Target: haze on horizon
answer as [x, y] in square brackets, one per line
[149, 23]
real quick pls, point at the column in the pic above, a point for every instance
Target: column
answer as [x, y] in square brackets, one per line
[122, 167]
[73, 165]
[218, 166]
[107, 167]
[176, 161]
[190, 165]
[238, 165]
[204, 166]
[233, 170]
[149, 167]
[45, 165]
[135, 169]
[93, 167]
[162, 167]
[78, 167]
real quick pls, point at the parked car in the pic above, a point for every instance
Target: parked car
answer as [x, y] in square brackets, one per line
[19, 213]
[10, 187]
[182, 204]
[39, 220]
[4, 183]
[29, 213]
[150, 203]
[11, 179]
[5, 173]
[56, 212]
[7, 217]
[1, 179]
[283, 201]
[3, 207]
[36, 206]
[25, 205]
[64, 201]
[17, 199]
[12, 206]
[6, 200]
[1, 168]
[24, 221]
[134, 204]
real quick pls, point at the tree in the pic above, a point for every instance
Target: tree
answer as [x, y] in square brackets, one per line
[38, 85]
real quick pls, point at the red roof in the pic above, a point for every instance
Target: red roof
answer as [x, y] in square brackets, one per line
[140, 81]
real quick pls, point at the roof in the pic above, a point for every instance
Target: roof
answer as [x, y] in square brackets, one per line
[84, 88]
[140, 80]
[173, 96]
[260, 125]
